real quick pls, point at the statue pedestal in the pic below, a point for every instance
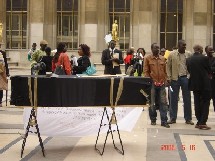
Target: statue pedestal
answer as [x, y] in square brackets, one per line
[2, 46]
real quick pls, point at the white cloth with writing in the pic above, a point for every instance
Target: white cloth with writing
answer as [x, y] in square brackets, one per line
[80, 121]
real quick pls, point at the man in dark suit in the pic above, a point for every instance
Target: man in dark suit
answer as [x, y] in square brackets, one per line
[112, 58]
[209, 51]
[7, 73]
[199, 82]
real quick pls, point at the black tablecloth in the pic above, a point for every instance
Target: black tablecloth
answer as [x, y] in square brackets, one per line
[70, 91]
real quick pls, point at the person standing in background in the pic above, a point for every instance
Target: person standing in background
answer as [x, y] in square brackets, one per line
[61, 59]
[74, 60]
[47, 59]
[138, 60]
[178, 78]
[162, 52]
[209, 51]
[199, 82]
[38, 54]
[155, 68]
[84, 60]
[3, 75]
[31, 52]
[128, 58]
[111, 59]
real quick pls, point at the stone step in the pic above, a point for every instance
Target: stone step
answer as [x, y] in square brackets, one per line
[8, 58]
[18, 68]
[10, 63]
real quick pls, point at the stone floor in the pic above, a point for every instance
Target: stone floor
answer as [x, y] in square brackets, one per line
[181, 142]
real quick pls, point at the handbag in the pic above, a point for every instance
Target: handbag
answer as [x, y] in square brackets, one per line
[59, 70]
[90, 70]
[130, 71]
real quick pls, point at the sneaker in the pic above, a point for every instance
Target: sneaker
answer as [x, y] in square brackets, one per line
[189, 122]
[172, 121]
[153, 122]
[165, 124]
[204, 127]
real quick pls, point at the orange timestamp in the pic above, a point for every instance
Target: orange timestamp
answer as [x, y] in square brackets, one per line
[171, 147]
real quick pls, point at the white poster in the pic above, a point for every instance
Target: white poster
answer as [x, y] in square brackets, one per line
[80, 121]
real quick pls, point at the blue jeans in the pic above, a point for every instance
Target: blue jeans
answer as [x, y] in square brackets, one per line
[183, 83]
[161, 93]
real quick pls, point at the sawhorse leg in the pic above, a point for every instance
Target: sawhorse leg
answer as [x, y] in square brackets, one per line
[32, 122]
[109, 131]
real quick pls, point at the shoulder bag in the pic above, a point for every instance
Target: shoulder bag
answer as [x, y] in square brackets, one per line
[90, 70]
[59, 70]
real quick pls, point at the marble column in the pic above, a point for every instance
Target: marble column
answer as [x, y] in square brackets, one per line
[88, 23]
[200, 22]
[209, 33]
[3, 21]
[50, 22]
[141, 13]
[36, 21]
[197, 23]
[103, 21]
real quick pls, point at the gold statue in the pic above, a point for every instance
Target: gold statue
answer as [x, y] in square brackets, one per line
[115, 31]
[1, 29]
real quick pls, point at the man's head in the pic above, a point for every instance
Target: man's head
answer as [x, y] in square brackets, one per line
[48, 51]
[34, 45]
[155, 49]
[162, 52]
[209, 50]
[43, 44]
[198, 49]
[112, 44]
[132, 49]
[181, 46]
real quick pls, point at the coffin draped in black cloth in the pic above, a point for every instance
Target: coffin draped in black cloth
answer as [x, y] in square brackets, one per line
[72, 91]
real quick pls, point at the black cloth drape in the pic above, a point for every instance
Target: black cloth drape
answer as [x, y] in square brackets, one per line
[72, 91]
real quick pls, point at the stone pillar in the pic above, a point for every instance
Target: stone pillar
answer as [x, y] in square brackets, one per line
[103, 21]
[134, 21]
[3, 21]
[200, 22]
[141, 22]
[89, 23]
[188, 34]
[36, 21]
[209, 36]
[155, 22]
[50, 22]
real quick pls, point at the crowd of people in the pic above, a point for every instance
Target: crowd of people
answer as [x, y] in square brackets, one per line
[42, 61]
[181, 70]
[170, 71]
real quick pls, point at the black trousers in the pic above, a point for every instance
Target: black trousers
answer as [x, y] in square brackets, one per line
[1, 96]
[202, 103]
